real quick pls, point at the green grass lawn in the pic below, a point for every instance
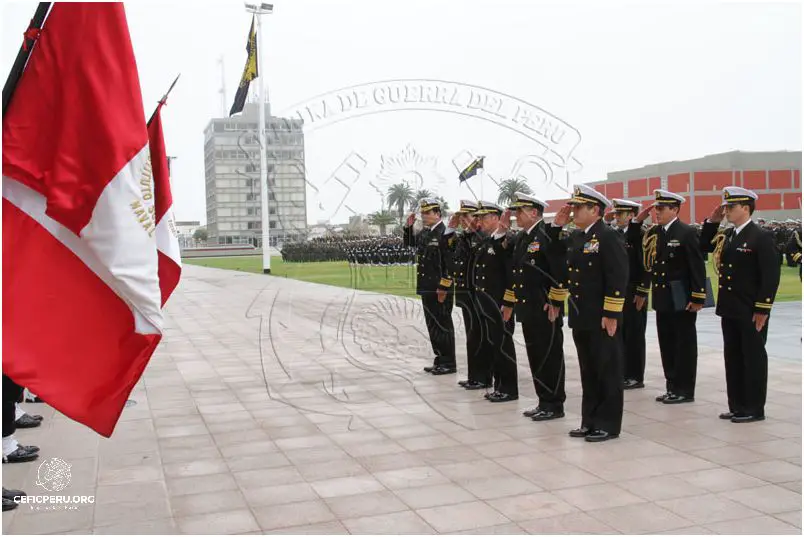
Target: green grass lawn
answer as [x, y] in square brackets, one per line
[401, 280]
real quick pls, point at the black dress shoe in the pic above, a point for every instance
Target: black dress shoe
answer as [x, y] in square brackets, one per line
[726, 415]
[746, 419]
[599, 436]
[631, 384]
[503, 398]
[678, 399]
[661, 398]
[27, 422]
[429, 369]
[489, 395]
[476, 386]
[10, 494]
[21, 454]
[441, 370]
[546, 415]
[463, 383]
[9, 505]
[529, 413]
[29, 399]
[580, 432]
[32, 449]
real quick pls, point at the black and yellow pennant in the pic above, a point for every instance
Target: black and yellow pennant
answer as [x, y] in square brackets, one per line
[249, 72]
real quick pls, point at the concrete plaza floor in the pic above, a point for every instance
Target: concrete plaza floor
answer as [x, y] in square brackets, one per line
[277, 406]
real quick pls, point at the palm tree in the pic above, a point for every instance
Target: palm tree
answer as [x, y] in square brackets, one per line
[507, 189]
[383, 219]
[424, 193]
[444, 204]
[400, 195]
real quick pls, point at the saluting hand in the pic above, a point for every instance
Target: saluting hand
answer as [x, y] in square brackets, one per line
[505, 221]
[453, 221]
[562, 216]
[643, 214]
[411, 219]
[717, 215]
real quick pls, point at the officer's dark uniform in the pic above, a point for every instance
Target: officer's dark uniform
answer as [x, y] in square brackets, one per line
[434, 270]
[678, 277]
[794, 249]
[635, 321]
[490, 279]
[539, 273]
[598, 276]
[464, 244]
[748, 277]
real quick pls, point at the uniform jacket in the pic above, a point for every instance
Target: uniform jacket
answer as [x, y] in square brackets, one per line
[749, 270]
[638, 277]
[598, 276]
[433, 258]
[538, 271]
[679, 258]
[491, 266]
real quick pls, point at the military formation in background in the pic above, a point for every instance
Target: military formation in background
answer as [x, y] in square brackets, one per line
[363, 250]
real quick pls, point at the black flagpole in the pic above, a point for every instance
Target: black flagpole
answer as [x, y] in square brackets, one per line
[164, 99]
[28, 41]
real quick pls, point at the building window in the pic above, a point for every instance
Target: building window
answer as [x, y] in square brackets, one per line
[272, 224]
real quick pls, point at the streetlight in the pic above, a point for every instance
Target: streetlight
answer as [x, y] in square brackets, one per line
[258, 11]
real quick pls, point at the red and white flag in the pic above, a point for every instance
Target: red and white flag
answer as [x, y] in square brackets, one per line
[167, 243]
[81, 297]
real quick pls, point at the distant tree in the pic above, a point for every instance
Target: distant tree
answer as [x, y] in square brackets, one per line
[400, 195]
[383, 219]
[201, 234]
[507, 189]
[444, 204]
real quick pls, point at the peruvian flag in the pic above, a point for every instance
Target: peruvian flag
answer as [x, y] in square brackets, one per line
[167, 243]
[81, 297]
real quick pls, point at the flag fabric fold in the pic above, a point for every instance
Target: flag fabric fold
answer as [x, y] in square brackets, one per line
[82, 304]
[471, 170]
[249, 72]
[167, 242]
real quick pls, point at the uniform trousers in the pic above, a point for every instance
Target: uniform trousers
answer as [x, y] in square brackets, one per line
[601, 363]
[438, 318]
[498, 344]
[678, 344]
[634, 324]
[746, 366]
[544, 342]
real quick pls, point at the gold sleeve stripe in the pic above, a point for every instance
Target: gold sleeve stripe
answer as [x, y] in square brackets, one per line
[796, 257]
[763, 305]
[614, 300]
[509, 296]
[558, 294]
[699, 295]
[446, 282]
[643, 289]
[616, 308]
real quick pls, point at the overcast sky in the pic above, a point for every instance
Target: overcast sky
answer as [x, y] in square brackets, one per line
[641, 83]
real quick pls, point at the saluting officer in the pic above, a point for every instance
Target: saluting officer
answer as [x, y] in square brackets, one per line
[490, 279]
[678, 275]
[748, 275]
[794, 249]
[536, 296]
[598, 276]
[434, 282]
[464, 244]
[635, 312]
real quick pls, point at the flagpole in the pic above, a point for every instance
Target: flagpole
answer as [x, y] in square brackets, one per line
[266, 217]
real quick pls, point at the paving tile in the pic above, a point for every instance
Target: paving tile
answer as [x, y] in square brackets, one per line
[238, 521]
[761, 525]
[403, 523]
[433, 496]
[293, 514]
[775, 471]
[179, 486]
[163, 526]
[707, 509]
[364, 505]
[793, 517]
[562, 478]
[600, 496]
[639, 518]
[420, 476]
[462, 516]
[721, 479]
[498, 487]
[530, 506]
[324, 528]
[346, 486]
[206, 503]
[770, 499]
[663, 487]
[279, 494]
[572, 523]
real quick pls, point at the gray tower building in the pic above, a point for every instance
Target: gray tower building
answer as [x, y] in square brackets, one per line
[232, 178]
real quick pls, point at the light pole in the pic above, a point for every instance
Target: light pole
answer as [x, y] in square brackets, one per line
[258, 11]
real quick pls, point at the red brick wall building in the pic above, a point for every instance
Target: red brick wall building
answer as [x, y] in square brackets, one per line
[775, 176]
